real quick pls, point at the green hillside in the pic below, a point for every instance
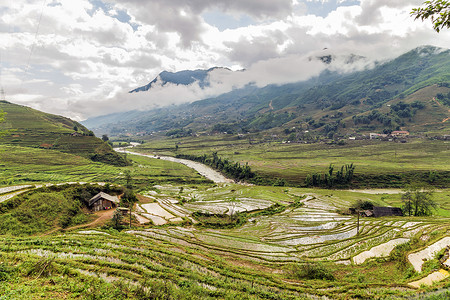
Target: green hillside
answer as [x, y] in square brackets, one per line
[28, 127]
[23, 165]
[323, 105]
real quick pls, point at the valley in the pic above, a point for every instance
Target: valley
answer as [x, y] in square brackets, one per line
[336, 187]
[263, 242]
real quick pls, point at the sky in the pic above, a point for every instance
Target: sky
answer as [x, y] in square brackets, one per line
[80, 58]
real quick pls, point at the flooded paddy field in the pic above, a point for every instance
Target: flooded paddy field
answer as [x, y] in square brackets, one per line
[286, 231]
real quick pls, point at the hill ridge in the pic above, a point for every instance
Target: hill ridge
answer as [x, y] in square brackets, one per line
[28, 127]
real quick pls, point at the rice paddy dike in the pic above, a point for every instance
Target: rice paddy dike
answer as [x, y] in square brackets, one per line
[310, 248]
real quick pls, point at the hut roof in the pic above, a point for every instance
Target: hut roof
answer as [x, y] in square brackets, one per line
[379, 211]
[105, 196]
[368, 213]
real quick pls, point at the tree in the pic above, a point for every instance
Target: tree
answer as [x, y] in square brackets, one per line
[437, 10]
[418, 201]
[117, 217]
[129, 199]
[128, 178]
[105, 138]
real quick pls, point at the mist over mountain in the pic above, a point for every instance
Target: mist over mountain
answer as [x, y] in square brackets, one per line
[185, 77]
[345, 87]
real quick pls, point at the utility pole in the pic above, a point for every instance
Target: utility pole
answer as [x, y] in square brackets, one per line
[357, 223]
[2, 91]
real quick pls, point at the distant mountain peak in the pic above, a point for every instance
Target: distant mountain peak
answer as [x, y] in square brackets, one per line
[429, 50]
[329, 58]
[185, 77]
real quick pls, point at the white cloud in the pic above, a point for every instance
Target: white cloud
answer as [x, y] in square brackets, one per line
[86, 58]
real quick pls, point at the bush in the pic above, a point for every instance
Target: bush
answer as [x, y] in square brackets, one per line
[311, 270]
[363, 204]
[5, 272]
[220, 220]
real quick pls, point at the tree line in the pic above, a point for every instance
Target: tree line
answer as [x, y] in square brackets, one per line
[232, 169]
[331, 179]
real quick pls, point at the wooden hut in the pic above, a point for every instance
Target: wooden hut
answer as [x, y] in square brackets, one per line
[103, 201]
[379, 211]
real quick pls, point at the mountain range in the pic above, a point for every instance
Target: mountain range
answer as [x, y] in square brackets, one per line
[393, 95]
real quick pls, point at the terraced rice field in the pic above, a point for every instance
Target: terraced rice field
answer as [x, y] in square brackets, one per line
[252, 261]
[314, 231]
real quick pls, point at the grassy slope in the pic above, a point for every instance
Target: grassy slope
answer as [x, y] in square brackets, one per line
[428, 120]
[31, 128]
[41, 210]
[170, 271]
[20, 165]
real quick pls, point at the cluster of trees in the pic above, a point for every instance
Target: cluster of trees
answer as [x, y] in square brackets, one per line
[405, 110]
[179, 132]
[332, 127]
[234, 170]
[229, 128]
[331, 179]
[444, 98]
[315, 125]
[418, 201]
[271, 120]
[374, 115]
[393, 119]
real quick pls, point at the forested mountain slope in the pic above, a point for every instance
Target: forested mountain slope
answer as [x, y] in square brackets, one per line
[392, 93]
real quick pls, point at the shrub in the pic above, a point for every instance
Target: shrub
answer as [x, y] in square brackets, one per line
[220, 220]
[311, 270]
[5, 272]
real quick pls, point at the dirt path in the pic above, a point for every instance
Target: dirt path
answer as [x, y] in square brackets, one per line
[440, 104]
[103, 217]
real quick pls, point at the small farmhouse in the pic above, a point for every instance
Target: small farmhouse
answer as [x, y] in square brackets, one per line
[400, 133]
[103, 201]
[379, 211]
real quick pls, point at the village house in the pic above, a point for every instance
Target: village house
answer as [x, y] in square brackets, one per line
[379, 211]
[386, 211]
[374, 135]
[103, 201]
[399, 133]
